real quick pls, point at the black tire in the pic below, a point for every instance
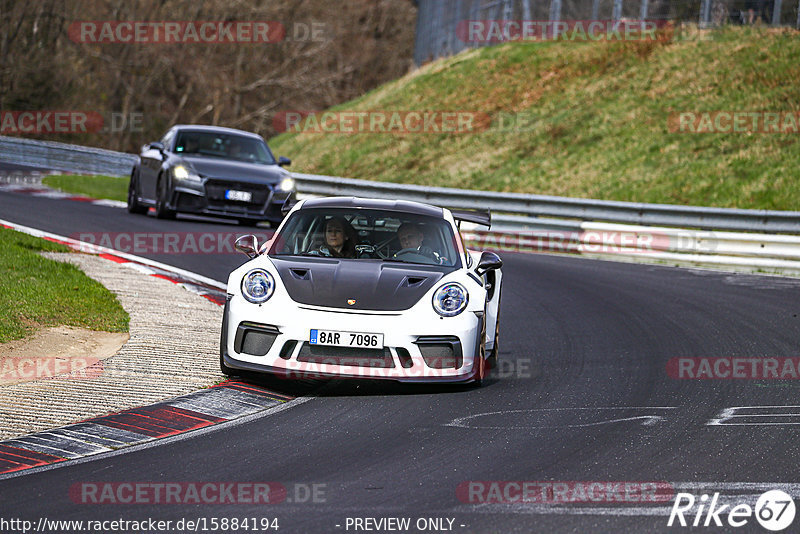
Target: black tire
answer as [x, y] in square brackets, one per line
[162, 211]
[133, 202]
[480, 376]
[227, 371]
[491, 360]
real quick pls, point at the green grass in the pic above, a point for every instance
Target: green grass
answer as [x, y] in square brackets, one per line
[597, 122]
[37, 292]
[95, 186]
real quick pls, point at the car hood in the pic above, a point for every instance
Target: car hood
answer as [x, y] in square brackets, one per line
[370, 284]
[236, 170]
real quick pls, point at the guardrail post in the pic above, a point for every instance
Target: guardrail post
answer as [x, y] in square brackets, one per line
[643, 10]
[617, 13]
[508, 10]
[474, 14]
[555, 10]
[526, 9]
[776, 13]
[705, 13]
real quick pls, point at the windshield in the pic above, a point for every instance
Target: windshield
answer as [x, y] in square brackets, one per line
[220, 145]
[362, 234]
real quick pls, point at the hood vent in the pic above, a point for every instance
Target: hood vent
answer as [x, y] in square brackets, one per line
[412, 281]
[301, 274]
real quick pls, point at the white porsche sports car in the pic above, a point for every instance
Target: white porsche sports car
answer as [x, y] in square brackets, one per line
[363, 288]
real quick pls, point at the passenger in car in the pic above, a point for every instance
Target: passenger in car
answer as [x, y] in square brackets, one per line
[339, 239]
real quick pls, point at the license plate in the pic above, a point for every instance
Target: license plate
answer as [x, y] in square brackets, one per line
[243, 196]
[337, 338]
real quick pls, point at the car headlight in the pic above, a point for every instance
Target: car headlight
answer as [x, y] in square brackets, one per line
[450, 299]
[182, 172]
[287, 184]
[258, 286]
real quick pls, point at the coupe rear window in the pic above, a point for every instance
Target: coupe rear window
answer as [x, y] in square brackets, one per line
[363, 234]
[218, 145]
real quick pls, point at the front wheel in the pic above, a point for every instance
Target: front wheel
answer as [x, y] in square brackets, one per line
[223, 338]
[162, 211]
[133, 201]
[480, 367]
[492, 358]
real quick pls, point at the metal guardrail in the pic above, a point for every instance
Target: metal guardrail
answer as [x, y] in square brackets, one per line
[511, 210]
[532, 207]
[65, 157]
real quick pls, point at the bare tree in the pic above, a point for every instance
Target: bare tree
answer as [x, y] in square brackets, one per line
[331, 52]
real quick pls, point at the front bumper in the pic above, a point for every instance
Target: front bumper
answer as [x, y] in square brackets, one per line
[209, 199]
[415, 349]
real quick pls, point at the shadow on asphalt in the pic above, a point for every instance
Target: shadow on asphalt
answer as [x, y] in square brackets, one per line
[326, 387]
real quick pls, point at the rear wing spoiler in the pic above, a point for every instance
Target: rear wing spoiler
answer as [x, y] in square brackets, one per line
[476, 216]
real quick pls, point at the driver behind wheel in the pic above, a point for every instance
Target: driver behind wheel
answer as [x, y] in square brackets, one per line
[411, 236]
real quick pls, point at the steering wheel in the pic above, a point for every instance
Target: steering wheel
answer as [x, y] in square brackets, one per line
[421, 254]
[365, 250]
[413, 250]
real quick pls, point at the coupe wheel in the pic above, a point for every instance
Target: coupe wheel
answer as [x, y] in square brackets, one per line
[162, 211]
[133, 201]
[492, 359]
[227, 371]
[480, 365]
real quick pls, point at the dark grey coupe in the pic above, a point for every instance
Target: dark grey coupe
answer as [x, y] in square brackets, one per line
[210, 170]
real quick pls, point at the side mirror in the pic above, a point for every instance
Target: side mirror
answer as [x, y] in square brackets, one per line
[489, 261]
[283, 161]
[247, 244]
[155, 145]
[288, 204]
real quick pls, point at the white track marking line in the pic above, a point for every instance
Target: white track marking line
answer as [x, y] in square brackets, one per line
[96, 249]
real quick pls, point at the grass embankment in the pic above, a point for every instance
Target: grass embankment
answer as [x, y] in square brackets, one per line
[95, 186]
[596, 119]
[37, 292]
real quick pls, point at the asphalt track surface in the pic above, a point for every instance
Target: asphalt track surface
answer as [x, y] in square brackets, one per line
[582, 394]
